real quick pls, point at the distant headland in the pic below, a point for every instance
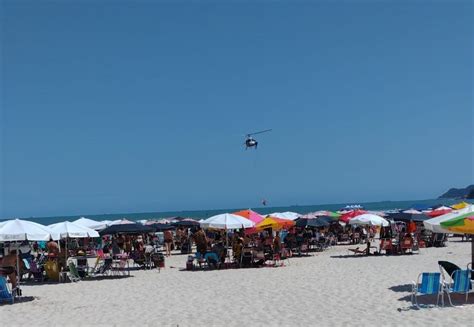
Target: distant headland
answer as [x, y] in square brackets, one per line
[459, 193]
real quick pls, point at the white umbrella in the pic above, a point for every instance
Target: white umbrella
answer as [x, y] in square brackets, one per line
[412, 211]
[227, 221]
[89, 223]
[24, 230]
[368, 219]
[288, 215]
[68, 229]
[434, 224]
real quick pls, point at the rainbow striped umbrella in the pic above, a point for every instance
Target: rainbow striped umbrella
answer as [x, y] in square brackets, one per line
[463, 224]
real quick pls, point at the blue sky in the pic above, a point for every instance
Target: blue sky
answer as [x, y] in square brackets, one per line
[142, 106]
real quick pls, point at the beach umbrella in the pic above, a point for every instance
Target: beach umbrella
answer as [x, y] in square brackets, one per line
[407, 217]
[434, 224]
[438, 212]
[24, 230]
[315, 222]
[326, 213]
[188, 222]
[460, 205]
[463, 224]
[227, 221]
[285, 215]
[368, 219]
[89, 223]
[274, 223]
[351, 214]
[250, 215]
[412, 211]
[123, 221]
[132, 228]
[68, 229]
[159, 227]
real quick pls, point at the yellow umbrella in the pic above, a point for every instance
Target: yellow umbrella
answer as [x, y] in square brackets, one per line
[274, 224]
[460, 205]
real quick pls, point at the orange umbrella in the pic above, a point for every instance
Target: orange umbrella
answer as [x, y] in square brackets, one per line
[274, 224]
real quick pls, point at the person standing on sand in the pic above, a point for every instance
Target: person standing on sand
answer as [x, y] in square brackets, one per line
[168, 236]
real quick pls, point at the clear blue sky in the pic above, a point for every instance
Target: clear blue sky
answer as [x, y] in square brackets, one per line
[142, 106]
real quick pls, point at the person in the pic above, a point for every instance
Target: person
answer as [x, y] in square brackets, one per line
[53, 249]
[168, 237]
[411, 227]
[277, 243]
[201, 241]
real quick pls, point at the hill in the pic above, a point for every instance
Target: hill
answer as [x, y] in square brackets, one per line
[456, 193]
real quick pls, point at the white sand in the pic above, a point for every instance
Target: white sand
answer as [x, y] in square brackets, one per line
[325, 289]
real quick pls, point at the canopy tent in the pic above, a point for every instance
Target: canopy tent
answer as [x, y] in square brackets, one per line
[435, 226]
[285, 215]
[227, 221]
[68, 229]
[132, 228]
[368, 219]
[89, 223]
[24, 230]
[407, 217]
[250, 215]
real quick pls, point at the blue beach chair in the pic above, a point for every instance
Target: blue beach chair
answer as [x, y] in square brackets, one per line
[5, 293]
[461, 283]
[430, 285]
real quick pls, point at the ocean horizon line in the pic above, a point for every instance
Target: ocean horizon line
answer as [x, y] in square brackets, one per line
[199, 213]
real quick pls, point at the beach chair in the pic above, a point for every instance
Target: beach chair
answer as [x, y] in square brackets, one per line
[461, 283]
[82, 266]
[37, 271]
[439, 240]
[431, 284]
[73, 274]
[5, 294]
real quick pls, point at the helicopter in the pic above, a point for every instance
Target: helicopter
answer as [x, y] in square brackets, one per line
[250, 142]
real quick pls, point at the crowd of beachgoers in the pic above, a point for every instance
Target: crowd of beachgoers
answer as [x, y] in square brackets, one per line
[85, 249]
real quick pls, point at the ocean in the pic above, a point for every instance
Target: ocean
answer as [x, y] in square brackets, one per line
[200, 214]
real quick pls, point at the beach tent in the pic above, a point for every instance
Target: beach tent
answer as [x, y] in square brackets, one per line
[68, 229]
[285, 215]
[24, 230]
[227, 221]
[368, 219]
[435, 226]
[89, 223]
[159, 227]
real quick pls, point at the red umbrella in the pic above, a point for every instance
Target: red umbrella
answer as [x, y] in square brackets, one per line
[436, 213]
[351, 214]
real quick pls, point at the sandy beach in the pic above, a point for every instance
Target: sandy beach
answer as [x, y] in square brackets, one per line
[327, 288]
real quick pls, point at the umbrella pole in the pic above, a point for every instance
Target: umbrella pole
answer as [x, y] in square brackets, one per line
[472, 248]
[17, 268]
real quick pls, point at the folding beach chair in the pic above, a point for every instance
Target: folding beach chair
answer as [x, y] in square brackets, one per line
[430, 285]
[5, 294]
[461, 283]
[73, 274]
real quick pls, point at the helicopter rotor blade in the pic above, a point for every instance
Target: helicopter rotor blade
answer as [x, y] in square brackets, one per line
[267, 130]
